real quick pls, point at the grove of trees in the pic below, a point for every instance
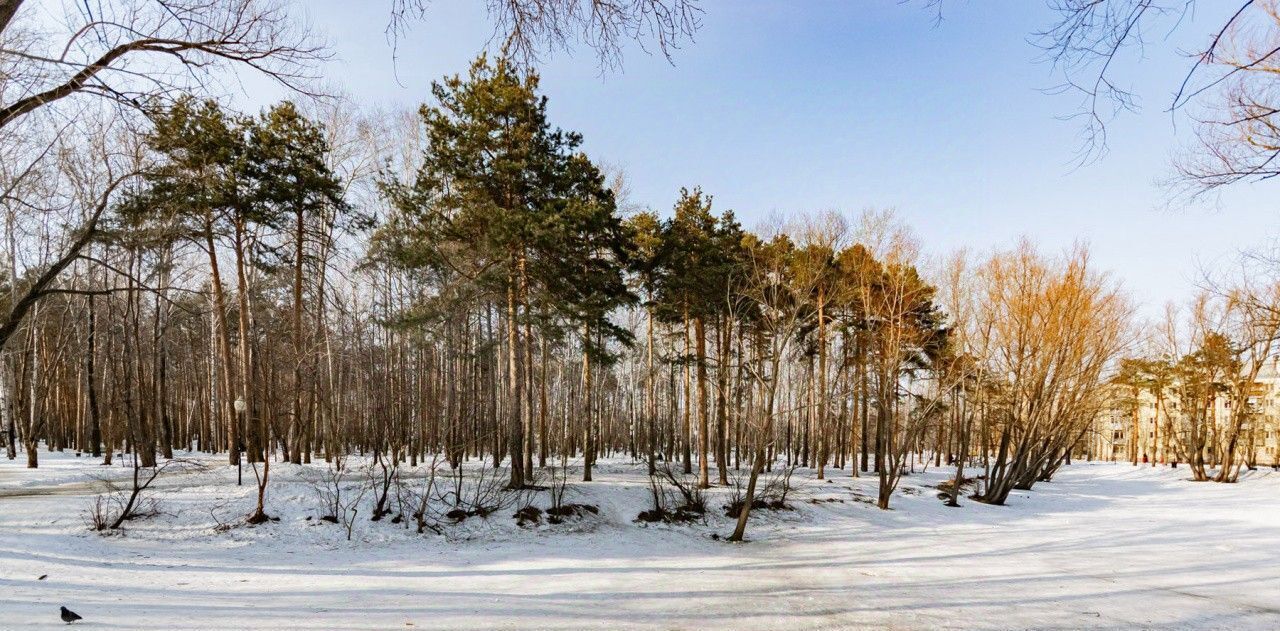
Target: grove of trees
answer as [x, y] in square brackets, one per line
[309, 282]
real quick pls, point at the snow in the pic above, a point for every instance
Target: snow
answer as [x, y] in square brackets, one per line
[1104, 545]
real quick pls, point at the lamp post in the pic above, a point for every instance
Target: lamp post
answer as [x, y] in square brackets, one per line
[240, 407]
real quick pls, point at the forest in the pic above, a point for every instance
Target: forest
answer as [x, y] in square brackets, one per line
[486, 297]
[312, 281]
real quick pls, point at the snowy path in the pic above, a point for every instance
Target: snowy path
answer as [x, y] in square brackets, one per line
[1104, 546]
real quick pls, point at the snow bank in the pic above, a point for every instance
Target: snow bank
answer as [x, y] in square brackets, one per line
[1102, 546]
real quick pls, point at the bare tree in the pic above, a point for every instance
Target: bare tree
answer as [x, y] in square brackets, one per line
[775, 300]
[526, 30]
[127, 55]
[1238, 132]
[1250, 324]
[1088, 43]
[131, 52]
[1055, 327]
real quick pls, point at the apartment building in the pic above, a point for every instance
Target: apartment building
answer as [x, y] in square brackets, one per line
[1157, 423]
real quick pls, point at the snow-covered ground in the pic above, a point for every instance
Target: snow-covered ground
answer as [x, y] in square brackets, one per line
[1102, 546]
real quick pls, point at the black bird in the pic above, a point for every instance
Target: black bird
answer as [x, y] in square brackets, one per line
[69, 616]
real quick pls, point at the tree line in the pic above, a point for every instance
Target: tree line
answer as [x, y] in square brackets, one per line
[312, 281]
[468, 282]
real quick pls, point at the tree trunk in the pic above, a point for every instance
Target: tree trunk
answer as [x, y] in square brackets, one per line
[651, 402]
[91, 389]
[296, 422]
[820, 418]
[688, 398]
[515, 383]
[700, 334]
[587, 438]
[223, 336]
[740, 529]
[242, 296]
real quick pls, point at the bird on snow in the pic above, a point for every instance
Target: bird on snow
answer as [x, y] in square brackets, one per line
[69, 616]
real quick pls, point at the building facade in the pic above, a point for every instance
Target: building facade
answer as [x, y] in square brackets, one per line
[1139, 426]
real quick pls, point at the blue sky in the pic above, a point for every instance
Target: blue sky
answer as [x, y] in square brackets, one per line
[782, 107]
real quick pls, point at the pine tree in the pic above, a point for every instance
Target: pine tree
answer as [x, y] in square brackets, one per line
[508, 203]
[292, 179]
[701, 256]
[645, 239]
[220, 177]
[198, 185]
